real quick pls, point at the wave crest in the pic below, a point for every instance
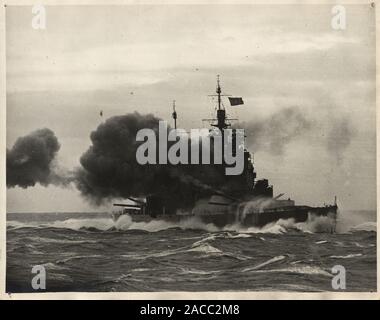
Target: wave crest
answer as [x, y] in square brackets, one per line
[124, 223]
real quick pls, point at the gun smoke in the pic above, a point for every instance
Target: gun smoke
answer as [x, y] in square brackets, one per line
[109, 168]
[339, 137]
[272, 134]
[31, 161]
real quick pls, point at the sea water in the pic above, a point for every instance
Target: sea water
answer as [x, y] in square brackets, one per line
[89, 252]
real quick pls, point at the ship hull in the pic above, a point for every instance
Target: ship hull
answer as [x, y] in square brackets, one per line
[254, 219]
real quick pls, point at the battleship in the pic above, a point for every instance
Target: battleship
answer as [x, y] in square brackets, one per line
[248, 202]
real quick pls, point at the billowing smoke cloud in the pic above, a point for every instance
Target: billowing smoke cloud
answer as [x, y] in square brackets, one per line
[272, 134]
[110, 170]
[339, 137]
[31, 160]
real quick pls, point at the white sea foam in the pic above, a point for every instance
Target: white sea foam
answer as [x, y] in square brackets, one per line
[294, 268]
[158, 225]
[239, 235]
[60, 241]
[14, 225]
[201, 247]
[80, 257]
[264, 264]
[102, 224]
[200, 272]
[141, 270]
[205, 248]
[205, 239]
[164, 253]
[310, 270]
[348, 256]
[314, 224]
[364, 246]
[52, 266]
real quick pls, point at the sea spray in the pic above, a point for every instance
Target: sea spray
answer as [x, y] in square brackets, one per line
[125, 223]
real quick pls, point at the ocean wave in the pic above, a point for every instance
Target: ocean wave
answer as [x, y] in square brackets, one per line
[366, 226]
[273, 228]
[50, 266]
[202, 247]
[294, 267]
[199, 272]
[308, 270]
[264, 264]
[14, 225]
[321, 242]
[102, 224]
[348, 256]
[282, 226]
[207, 238]
[125, 223]
[364, 246]
[60, 241]
[80, 257]
[33, 249]
[205, 248]
[141, 270]
[192, 223]
[164, 253]
[61, 277]
[221, 235]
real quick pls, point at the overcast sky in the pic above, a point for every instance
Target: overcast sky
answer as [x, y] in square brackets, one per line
[125, 58]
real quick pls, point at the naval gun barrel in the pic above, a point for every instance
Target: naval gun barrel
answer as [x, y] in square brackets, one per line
[137, 201]
[127, 205]
[222, 194]
[278, 196]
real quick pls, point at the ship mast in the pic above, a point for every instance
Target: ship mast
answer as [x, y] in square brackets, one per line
[174, 115]
[221, 118]
[219, 91]
[221, 112]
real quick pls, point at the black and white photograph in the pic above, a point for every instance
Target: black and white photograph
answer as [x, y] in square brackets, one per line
[188, 148]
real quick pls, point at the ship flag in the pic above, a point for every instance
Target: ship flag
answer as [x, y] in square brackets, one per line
[234, 101]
